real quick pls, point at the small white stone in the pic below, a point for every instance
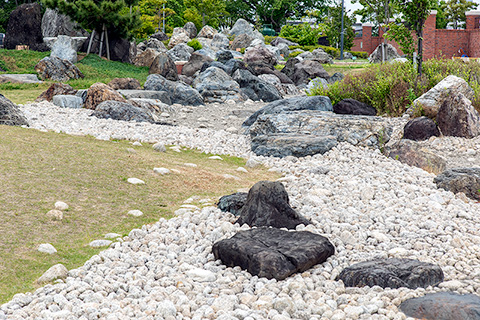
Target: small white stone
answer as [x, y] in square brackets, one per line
[47, 248]
[242, 169]
[135, 213]
[135, 181]
[165, 115]
[215, 158]
[191, 165]
[451, 285]
[59, 205]
[201, 275]
[398, 251]
[99, 243]
[58, 271]
[229, 176]
[181, 211]
[175, 171]
[112, 235]
[251, 163]
[230, 102]
[232, 130]
[131, 150]
[176, 149]
[136, 144]
[55, 214]
[162, 171]
[202, 119]
[160, 147]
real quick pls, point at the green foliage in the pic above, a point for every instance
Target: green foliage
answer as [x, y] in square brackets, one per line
[391, 88]
[454, 11]
[269, 39]
[151, 16]
[399, 33]
[20, 61]
[294, 54]
[334, 28]
[303, 34]
[374, 10]
[441, 21]
[203, 12]
[360, 54]
[195, 44]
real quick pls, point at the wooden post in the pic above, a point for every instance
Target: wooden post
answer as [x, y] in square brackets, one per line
[106, 42]
[90, 42]
[101, 45]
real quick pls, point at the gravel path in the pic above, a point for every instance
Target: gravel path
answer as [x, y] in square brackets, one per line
[367, 205]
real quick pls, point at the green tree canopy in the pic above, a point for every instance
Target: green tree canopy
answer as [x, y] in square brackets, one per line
[334, 28]
[203, 12]
[454, 11]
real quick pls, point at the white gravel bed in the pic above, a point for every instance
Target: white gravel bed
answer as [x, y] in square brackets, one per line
[367, 205]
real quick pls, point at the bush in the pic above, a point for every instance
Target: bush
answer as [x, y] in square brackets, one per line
[391, 88]
[303, 34]
[360, 54]
[195, 44]
[269, 39]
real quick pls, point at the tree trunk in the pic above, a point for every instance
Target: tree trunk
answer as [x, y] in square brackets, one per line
[90, 42]
[106, 42]
[101, 45]
[420, 51]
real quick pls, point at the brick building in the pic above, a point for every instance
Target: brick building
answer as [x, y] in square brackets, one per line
[437, 42]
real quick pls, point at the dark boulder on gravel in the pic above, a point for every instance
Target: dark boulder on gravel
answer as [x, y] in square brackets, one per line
[355, 107]
[466, 180]
[392, 273]
[420, 129]
[179, 92]
[458, 118]
[273, 253]
[117, 110]
[232, 203]
[255, 88]
[25, 27]
[268, 205]
[297, 145]
[10, 114]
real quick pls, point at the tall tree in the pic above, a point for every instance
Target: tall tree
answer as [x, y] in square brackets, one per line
[334, 28]
[441, 22]
[455, 11]
[203, 12]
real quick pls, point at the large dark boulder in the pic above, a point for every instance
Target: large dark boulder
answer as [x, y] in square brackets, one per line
[319, 103]
[232, 203]
[261, 55]
[215, 85]
[392, 273]
[164, 66]
[24, 26]
[273, 253]
[297, 145]
[179, 93]
[190, 29]
[120, 49]
[160, 36]
[457, 117]
[195, 63]
[420, 129]
[10, 114]
[121, 111]
[268, 205]
[443, 306]
[56, 69]
[224, 56]
[257, 89]
[466, 180]
[352, 106]
[301, 72]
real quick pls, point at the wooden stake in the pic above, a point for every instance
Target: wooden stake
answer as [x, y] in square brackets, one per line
[101, 45]
[90, 42]
[106, 42]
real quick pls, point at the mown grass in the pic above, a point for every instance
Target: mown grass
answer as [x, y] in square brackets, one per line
[90, 175]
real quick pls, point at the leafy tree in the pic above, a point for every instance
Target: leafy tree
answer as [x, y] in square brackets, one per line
[203, 12]
[304, 34]
[334, 28]
[455, 11]
[398, 32]
[441, 22]
[151, 16]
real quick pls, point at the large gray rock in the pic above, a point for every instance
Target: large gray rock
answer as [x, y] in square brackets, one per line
[457, 117]
[190, 29]
[260, 55]
[273, 253]
[429, 102]
[163, 96]
[56, 69]
[179, 93]
[443, 306]
[321, 56]
[179, 35]
[181, 52]
[420, 129]
[164, 66]
[241, 41]
[224, 56]
[24, 27]
[117, 110]
[392, 273]
[152, 106]
[215, 85]
[256, 88]
[159, 36]
[301, 72]
[207, 32]
[296, 145]
[242, 26]
[63, 49]
[155, 44]
[10, 114]
[278, 40]
[319, 103]
[55, 24]
[19, 78]
[56, 89]
[146, 58]
[352, 106]
[390, 53]
[125, 83]
[67, 101]
[220, 42]
[466, 180]
[195, 64]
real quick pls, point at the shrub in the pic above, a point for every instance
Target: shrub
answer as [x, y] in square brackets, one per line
[269, 39]
[360, 54]
[195, 44]
[294, 54]
[303, 34]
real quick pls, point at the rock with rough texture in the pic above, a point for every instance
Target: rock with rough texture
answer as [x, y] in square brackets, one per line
[55, 24]
[156, 45]
[207, 32]
[268, 205]
[117, 110]
[412, 153]
[190, 29]
[352, 106]
[273, 253]
[179, 93]
[278, 40]
[163, 96]
[153, 106]
[19, 78]
[10, 114]
[296, 145]
[224, 56]
[241, 41]
[256, 88]
[259, 55]
[56, 89]
[443, 306]
[429, 102]
[100, 92]
[457, 117]
[146, 58]
[420, 129]
[164, 66]
[390, 53]
[56, 69]
[125, 84]
[215, 85]
[58, 271]
[181, 52]
[337, 76]
[161, 36]
[321, 56]
[392, 273]
[242, 26]
[195, 64]
[179, 36]
[466, 180]
[122, 50]
[319, 103]
[233, 203]
[67, 101]
[64, 49]
[24, 27]
[301, 72]
[220, 42]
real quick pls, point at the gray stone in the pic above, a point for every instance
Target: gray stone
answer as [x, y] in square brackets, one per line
[316, 84]
[100, 243]
[224, 56]
[152, 106]
[207, 52]
[466, 180]
[296, 145]
[58, 271]
[179, 93]
[232, 203]
[117, 110]
[241, 41]
[24, 27]
[273, 253]
[420, 129]
[242, 26]
[457, 117]
[159, 36]
[301, 72]
[215, 85]
[352, 106]
[125, 83]
[163, 96]
[67, 101]
[146, 58]
[256, 88]
[220, 41]
[321, 56]
[278, 40]
[207, 32]
[190, 29]
[390, 53]
[19, 78]
[155, 44]
[164, 66]
[260, 55]
[55, 24]
[181, 52]
[195, 63]
[47, 248]
[56, 69]
[56, 89]
[392, 273]
[337, 76]
[319, 103]
[63, 49]
[10, 114]
[179, 35]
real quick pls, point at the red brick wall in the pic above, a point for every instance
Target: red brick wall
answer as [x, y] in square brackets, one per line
[449, 43]
[474, 47]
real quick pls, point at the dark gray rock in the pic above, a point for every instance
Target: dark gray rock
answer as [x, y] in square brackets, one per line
[273, 253]
[24, 27]
[337, 76]
[190, 29]
[320, 103]
[55, 89]
[224, 56]
[159, 36]
[164, 66]
[275, 42]
[352, 106]
[241, 41]
[297, 145]
[117, 110]
[412, 153]
[420, 129]
[10, 114]
[301, 72]
[268, 205]
[56, 69]
[457, 117]
[443, 306]
[389, 51]
[261, 55]
[121, 50]
[258, 89]
[233, 203]
[215, 85]
[466, 180]
[195, 64]
[179, 93]
[180, 52]
[163, 96]
[233, 65]
[215, 64]
[392, 273]
[68, 101]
